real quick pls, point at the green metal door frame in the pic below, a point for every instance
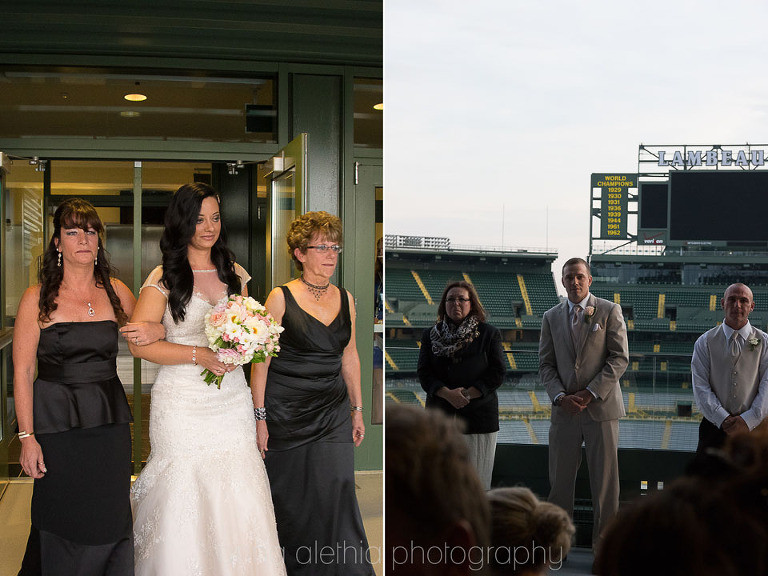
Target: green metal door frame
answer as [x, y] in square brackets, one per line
[6, 431]
[357, 208]
[138, 440]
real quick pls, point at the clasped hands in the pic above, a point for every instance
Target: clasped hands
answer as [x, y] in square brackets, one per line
[459, 397]
[734, 425]
[575, 403]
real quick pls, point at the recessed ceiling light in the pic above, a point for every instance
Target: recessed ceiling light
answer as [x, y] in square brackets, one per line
[130, 114]
[379, 106]
[135, 97]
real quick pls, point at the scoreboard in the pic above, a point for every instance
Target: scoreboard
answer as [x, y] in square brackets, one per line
[705, 208]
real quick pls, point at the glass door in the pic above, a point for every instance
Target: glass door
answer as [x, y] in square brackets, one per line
[286, 188]
[364, 278]
[22, 182]
[130, 198]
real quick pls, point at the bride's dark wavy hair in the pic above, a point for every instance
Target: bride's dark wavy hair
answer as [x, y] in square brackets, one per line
[75, 213]
[180, 224]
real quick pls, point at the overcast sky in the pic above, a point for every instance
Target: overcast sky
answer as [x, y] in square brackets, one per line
[497, 112]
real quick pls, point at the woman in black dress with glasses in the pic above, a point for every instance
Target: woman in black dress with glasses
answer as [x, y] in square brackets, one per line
[312, 410]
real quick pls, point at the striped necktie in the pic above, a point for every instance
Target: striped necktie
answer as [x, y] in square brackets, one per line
[575, 322]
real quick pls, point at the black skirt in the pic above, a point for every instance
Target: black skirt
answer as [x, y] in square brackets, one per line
[81, 512]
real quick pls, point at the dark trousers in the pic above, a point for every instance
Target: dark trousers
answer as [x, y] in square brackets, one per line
[710, 436]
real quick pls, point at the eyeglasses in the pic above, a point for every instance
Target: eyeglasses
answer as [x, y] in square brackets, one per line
[457, 300]
[323, 248]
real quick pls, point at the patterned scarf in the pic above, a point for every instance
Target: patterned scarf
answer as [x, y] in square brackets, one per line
[447, 338]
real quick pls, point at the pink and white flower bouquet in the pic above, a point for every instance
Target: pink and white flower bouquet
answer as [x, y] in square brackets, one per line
[240, 331]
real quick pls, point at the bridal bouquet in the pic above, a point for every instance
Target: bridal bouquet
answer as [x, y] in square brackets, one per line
[240, 331]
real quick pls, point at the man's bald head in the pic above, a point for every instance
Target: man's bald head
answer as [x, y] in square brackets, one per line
[737, 303]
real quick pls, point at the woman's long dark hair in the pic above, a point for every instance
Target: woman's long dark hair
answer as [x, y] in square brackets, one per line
[180, 224]
[74, 213]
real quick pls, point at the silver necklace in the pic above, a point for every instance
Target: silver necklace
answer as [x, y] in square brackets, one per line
[91, 311]
[316, 290]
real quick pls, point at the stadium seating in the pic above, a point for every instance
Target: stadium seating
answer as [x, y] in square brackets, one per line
[435, 281]
[541, 291]
[401, 286]
[664, 318]
[404, 354]
[499, 293]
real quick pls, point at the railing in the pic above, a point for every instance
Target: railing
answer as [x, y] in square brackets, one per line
[6, 337]
[599, 249]
[480, 248]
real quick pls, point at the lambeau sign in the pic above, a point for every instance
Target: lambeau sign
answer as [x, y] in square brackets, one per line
[715, 157]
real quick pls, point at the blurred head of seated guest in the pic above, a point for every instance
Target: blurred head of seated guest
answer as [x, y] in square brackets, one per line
[437, 514]
[697, 526]
[528, 537]
[741, 455]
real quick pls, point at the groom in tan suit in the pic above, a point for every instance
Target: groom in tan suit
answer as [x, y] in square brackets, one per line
[582, 355]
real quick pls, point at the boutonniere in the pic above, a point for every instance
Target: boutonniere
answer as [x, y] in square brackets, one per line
[753, 342]
[589, 311]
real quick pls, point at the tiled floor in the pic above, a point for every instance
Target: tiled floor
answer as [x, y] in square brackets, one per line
[14, 525]
[14, 519]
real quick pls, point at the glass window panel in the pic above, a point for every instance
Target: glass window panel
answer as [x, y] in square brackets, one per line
[369, 124]
[91, 103]
[24, 242]
[377, 395]
[282, 214]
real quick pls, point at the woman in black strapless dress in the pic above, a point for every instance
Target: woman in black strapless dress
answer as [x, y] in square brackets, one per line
[74, 419]
[312, 402]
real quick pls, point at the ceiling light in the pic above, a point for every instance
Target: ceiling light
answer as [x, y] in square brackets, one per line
[136, 96]
[379, 106]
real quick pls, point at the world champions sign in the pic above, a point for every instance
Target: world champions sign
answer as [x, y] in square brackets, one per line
[614, 201]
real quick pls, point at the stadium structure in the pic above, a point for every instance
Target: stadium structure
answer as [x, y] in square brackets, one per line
[665, 242]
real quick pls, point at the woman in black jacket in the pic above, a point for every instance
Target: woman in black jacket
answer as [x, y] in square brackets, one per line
[461, 364]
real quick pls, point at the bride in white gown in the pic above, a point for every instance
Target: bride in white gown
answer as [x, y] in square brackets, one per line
[202, 505]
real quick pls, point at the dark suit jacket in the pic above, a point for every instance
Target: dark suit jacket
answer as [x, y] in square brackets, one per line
[598, 360]
[481, 364]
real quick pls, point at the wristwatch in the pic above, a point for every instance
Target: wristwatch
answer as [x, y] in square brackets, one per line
[559, 400]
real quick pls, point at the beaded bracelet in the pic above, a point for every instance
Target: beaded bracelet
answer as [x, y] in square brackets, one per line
[260, 413]
[194, 355]
[356, 408]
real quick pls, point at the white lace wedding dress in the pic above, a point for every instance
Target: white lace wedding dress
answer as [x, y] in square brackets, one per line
[202, 505]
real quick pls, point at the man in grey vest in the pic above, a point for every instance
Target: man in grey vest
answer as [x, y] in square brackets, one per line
[729, 374]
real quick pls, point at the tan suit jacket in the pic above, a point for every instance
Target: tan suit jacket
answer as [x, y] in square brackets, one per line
[598, 360]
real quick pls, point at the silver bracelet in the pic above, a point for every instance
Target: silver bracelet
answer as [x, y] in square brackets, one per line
[24, 434]
[260, 413]
[356, 408]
